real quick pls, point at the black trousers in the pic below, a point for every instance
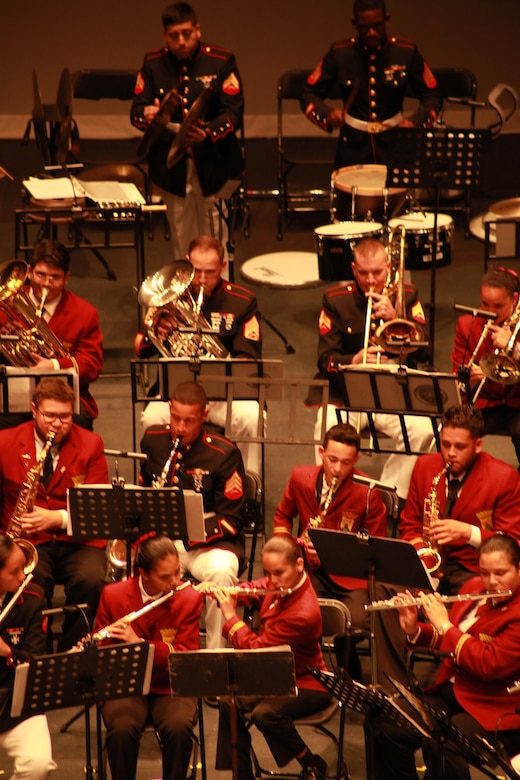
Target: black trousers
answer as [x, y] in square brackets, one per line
[81, 570]
[173, 720]
[503, 419]
[274, 718]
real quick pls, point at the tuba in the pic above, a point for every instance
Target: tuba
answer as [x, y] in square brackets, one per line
[500, 366]
[25, 503]
[429, 553]
[166, 293]
[31, 332]
[398, 335]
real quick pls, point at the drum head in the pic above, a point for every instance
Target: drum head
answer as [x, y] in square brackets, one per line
[417, 222]
[368, 179]
[350, 229]
[283, 269]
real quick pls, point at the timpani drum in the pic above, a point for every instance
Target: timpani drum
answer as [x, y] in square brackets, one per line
[419, 238]
[359, 192]
[335, 247]
[282, 269]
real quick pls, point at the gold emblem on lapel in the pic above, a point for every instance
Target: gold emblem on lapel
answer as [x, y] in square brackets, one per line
[79, 479]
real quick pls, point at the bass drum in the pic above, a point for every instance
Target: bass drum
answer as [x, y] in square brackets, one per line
[358, 192]
[335, 247]
[419, 239]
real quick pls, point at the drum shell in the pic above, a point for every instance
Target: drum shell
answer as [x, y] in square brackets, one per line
[369, 200]
[419, 239]
[335, 247]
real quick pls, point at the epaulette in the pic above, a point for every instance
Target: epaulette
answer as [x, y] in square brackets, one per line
[155, 429]
[154, 54]
[404, 42]
[238, 291]
[217, 442]
[216, 51]
[341, 289]
[346, 43]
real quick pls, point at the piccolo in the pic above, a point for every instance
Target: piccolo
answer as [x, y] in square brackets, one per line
[236, 590]
[105, 633]
[397, 602]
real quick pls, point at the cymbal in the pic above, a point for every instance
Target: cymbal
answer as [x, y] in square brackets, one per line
[506, 208]
[196, 112]
[168, 105]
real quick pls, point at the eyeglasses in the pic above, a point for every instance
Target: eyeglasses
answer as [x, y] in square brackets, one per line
[50, 417]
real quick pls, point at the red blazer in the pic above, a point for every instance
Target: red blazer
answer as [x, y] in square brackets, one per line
[172, 626]
[347, 511]
[467, 334]
[486, 657]
[81, 462]
[490, 499]
[293, 620]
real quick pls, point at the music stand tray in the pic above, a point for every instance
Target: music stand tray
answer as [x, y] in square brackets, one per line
[225, 672]
[393, 561]
[50, 682]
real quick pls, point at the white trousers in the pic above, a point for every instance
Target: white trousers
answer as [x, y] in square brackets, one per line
[210, 565]
[398, 468]
[244, 422]
[192, 216]
[29, 744]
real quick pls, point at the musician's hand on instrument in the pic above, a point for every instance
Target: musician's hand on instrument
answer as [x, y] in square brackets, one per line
[40, 519]
[165, 325]
[434, 609]
[196, 133]
[372, 356]
[227, 601]
[383, 309]
[124, 632]
[207, 588]
[475, 375]
[149, 112]
[42, 362]
[408, 617]
[405, 123]
[336, 117]
[499, 336]
[447, 531]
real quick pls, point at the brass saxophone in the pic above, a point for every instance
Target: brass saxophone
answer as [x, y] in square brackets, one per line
[317, 522]
[25, 503]
[429, 553]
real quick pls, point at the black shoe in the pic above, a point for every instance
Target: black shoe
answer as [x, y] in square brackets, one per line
[317, 771]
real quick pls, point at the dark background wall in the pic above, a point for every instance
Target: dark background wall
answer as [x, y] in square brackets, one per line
[267, 37]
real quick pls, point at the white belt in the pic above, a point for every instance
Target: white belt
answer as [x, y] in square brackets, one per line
[373, 127]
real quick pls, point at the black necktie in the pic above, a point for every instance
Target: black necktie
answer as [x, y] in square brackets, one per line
[48, 470]
[453, 489]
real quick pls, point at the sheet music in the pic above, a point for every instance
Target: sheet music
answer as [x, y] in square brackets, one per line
[104, 193]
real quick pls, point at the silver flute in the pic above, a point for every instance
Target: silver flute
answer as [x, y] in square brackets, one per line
[409, 601]
[235, 590]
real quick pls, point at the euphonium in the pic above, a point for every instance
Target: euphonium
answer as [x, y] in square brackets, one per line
[166, 293]
[25, 503]
[316, 522]
[398, 335]
[25, 321]
[429, 553]
[500, 366]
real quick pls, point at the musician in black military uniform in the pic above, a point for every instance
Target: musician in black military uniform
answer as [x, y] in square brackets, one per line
[211, 465]
[25, 739]
[232, 311]
[213, 154]
[341, 343]
[374, 72]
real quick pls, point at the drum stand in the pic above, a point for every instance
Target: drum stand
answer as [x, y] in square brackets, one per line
[435, 158]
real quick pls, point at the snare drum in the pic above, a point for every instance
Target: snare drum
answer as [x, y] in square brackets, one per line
[335, 247]
[358, 192]
[419, 238]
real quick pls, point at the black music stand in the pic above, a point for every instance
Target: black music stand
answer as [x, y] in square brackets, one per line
[371, 558]
[400, 391]
[86, 677]
[443, 728]
[119, 511]
[433, 158]
[231, 673]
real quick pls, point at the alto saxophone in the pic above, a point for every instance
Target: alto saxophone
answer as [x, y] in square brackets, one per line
[317, 522]
[429, 553]
[25, 503]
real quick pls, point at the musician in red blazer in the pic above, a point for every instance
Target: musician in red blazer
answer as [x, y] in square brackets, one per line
[74, 321]
[169, 627]
[292, 619]
[486, 501]
[77, 458]
[483, 638]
